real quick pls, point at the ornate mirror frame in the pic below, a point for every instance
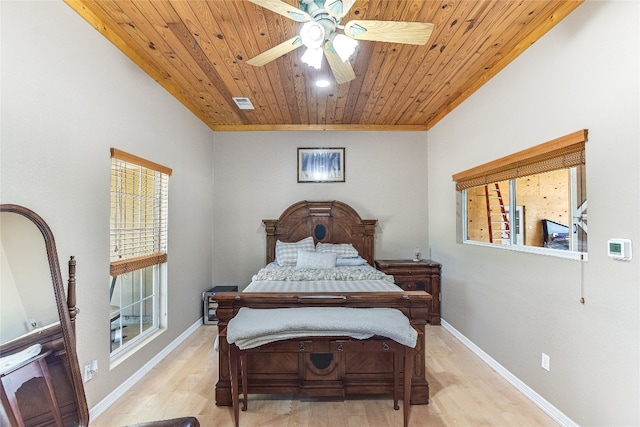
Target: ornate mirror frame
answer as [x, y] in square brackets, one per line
[60, 338]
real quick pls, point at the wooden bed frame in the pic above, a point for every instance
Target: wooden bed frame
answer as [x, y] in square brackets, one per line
[321, 372]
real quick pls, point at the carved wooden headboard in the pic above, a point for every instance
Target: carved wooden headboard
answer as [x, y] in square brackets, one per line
[327, 221]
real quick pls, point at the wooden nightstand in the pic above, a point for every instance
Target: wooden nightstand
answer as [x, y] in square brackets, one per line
[416, 276]
[209, 304]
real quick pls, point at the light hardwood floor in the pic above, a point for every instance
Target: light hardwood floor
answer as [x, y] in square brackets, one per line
[464, 391]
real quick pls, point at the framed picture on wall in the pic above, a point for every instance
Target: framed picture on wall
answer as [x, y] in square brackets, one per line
[321, 164]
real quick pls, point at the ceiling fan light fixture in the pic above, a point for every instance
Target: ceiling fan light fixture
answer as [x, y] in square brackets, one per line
[312, 34]
[313, 57]
[344, 46]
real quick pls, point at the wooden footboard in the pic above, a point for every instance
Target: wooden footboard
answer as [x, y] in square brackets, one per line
[311, 367]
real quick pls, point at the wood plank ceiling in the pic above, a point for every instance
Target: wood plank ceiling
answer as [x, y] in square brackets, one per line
[197, 50]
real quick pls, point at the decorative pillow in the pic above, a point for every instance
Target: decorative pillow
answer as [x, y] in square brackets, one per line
[316, 260]
[343, 250]
[287, 253]
[350, 261]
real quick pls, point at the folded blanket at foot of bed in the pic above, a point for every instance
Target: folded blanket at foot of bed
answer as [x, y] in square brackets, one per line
[255, 327]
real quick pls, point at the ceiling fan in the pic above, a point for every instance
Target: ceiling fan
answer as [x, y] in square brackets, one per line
[320, 35]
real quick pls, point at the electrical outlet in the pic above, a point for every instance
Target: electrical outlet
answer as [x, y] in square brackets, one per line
[546, 360]
[88, 373]
[89, 369]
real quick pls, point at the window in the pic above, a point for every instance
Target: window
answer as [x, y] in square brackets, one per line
[535, 198]
[139, 208]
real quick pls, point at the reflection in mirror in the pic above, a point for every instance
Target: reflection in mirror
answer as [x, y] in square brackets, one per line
[40, 381]
[27, 302]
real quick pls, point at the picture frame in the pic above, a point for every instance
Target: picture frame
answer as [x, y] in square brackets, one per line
[319, 164]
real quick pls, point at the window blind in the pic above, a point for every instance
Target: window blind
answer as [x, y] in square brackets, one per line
[560, 153]
[139, 212]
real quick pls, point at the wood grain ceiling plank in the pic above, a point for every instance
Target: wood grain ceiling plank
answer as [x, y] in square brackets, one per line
[340, 95]
[446, 7]
[292, 70]
[408, 76]
[325, 99]
[332, 101]
[207, 32]
[336, 96]
[308, 97]
[320, 103]
[287, 66]
[470, 42]
[480, 51]
[269, 74]
[529, 15]
[373, 64]
[360, 63]
[262, 90]
[155, 29]
[396, 62]
[512, 46]
[209, 53]
[184, 35]
[143, 35]
[102, 19]
[230, 20]
[161, 12]
[424, 74]
[429, 77]
[311, 98]
[298, 78]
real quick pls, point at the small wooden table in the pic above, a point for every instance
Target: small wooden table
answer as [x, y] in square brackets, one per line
[12, 380]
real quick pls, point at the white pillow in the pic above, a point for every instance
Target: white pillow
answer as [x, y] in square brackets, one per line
[316, 260]
[350, 261]
[344, 250]
[287, 253]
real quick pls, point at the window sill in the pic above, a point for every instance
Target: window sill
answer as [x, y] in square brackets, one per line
[120, 356]
[557, 253]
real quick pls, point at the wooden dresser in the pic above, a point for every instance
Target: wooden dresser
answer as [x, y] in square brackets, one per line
[416, 276]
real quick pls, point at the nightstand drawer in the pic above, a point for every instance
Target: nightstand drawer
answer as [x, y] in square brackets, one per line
[404, 270]
[411, 283]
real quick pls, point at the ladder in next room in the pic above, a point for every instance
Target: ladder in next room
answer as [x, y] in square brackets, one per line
[497, 216]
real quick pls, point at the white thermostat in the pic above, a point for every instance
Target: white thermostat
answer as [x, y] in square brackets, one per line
[619, 249]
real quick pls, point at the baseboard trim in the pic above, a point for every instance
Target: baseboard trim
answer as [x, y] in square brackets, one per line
[112, 397]
[531, 394]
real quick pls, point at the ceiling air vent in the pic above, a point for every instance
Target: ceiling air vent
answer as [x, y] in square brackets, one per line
[243, 103]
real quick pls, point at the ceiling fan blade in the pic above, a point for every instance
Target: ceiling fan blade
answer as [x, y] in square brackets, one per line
[283, 9]
[338, 8]
[342, 70]
[389, 31]
[276, 52]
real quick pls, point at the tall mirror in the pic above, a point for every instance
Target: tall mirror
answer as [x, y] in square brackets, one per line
[40, 380]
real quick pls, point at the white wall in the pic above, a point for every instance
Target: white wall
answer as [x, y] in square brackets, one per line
[255, 177]
[583, 74]
[68, 95]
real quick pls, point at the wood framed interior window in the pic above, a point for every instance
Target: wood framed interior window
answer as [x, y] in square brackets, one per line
[535, 197]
